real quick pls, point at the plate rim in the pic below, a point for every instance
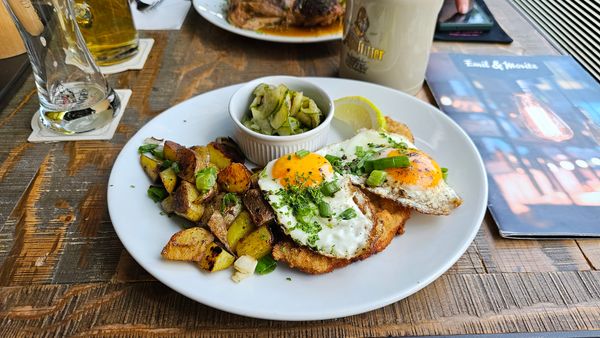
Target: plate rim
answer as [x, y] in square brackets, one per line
[322, 315]
[260, 36]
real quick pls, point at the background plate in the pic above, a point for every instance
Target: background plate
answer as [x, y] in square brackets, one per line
[214, 12]
[429, 247]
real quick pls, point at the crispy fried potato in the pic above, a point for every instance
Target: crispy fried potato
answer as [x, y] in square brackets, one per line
[169, 179]
[241, 226]
[217, 156]
[150, 166]
[170, 150]
[189, 163]
[256, 244]
[398, 128]
[167, 205]
[188, 245]
[234, 178]
[216, 258]
[260, 211]
[183, 202]
[218, 227]
[306, 260]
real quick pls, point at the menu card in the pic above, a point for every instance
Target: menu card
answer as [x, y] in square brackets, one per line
[536, 123]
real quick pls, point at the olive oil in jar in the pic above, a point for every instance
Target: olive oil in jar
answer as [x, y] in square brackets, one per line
[108, 29]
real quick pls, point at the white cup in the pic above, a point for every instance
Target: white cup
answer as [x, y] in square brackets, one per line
[388, 41]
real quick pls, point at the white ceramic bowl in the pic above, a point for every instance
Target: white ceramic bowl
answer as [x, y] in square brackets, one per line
[260, 148]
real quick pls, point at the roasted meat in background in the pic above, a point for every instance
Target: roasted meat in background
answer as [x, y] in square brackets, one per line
[257, 14]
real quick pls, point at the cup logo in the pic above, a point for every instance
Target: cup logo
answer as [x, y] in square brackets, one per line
[357, 41]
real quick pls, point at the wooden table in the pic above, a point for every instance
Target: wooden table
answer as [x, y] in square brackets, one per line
[63, 271]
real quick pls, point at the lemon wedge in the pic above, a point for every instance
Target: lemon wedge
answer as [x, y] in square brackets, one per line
[359, 112]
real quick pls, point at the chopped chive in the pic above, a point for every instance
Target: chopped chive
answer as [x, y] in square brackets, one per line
[348, 214]
[302, 153]
[324, 210]
[330, 188]
[157, 194]
[444, 173]
[388, 162]
[376, 178]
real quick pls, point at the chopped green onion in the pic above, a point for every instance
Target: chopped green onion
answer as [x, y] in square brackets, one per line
[376, 178]
[302, 153]
[157, 194]
[324, 210]
[206, 179]
[332, 159]
[158, 153]
[265, 265]
[175, 167]
[444, 173]
[166, 164]
[146, 148]
[230, 199]
[387, 163]
[330, 188]
[348, 214]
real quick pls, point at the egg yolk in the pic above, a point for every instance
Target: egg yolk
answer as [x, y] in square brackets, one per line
[306, 171]
[423, 170]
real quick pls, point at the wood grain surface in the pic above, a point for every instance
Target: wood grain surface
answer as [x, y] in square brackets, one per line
[64, 272]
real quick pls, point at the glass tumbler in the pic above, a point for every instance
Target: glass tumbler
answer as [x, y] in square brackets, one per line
[74, 96]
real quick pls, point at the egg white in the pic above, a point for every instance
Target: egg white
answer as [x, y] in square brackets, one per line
[440, 199]
[337, 238]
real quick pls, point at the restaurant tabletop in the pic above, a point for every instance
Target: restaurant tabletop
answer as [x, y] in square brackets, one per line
[63, 270]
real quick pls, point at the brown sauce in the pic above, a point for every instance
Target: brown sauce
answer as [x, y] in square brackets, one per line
[303, 32]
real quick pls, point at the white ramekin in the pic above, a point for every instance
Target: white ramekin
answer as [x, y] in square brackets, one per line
[260, 148]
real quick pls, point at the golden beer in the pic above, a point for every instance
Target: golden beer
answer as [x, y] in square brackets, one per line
[108, 29]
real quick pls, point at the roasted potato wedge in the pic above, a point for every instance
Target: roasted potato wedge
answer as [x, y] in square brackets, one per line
[218, 227]
[167, 205]
[207, 196]
[241, 226]
[217, 156]
[235, 178]
[216, 258]
[256, 244]
[188, 245]
[170, 150]
[202, 152]
[169, 179]
[150, 166]
[183, 202]
[260, 211]
[189, 163]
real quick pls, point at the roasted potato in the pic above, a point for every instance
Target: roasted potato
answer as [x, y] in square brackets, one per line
[207, 195]
[256, 244]
[218, 227]
[216, 258]
[260, 211]
[169, 179]
[188, 245]
[234, 178]
[151, 167]
[189, 163]
[170, 150]
[167, 205]
[241, 226]
[202, 152]
[183, 202]
[217, 156]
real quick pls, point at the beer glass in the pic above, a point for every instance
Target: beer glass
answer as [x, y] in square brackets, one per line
[388, 41]
[74, 96]
[108, 29]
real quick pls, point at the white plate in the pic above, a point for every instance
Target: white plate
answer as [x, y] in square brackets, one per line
[429, 247]
[214, 12]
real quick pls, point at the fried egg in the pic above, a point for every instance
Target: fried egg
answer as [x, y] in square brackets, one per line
[294, 184]
[420, 185]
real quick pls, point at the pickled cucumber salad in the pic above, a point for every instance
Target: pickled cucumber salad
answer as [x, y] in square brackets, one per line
[278, 110]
